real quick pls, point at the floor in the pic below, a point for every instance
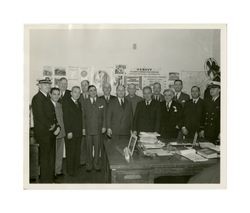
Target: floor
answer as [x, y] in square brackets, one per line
[82, 176]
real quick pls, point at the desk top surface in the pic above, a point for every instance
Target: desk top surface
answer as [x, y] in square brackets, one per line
[114, 150]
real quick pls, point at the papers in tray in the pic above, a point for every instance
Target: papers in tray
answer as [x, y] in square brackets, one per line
[191, 155]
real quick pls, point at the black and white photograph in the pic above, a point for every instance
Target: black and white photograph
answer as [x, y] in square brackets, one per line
[161, 126]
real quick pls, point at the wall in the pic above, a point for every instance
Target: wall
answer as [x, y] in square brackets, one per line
[170, 50]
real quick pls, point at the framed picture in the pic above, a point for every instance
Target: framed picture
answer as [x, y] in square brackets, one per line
[131, 144]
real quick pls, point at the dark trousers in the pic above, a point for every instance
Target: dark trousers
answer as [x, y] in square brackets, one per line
[83, 155]
[47, 155]
[93, 141]
[73, 149]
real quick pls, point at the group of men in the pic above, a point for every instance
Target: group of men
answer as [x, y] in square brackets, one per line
[83, 121]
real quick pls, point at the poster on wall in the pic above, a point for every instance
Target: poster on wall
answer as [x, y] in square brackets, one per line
[60, 71]
[144, 71]
[173, 76]
[150, 80]
[73, 72]
[137, 80]
[120, 69]
[101, 76]
[47, 71]
[85, 73]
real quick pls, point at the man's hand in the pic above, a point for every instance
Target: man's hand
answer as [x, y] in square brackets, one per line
[103, 130]
[201, 134]
[83, 132]
[57, 131]
[70, 135]
[52, 127]
[184, 130]
[109, 132]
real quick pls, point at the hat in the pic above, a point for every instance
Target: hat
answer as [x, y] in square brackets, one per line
[45, 81]
[215, 83]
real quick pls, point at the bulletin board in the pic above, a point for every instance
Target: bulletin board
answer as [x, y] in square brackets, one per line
[123, 74]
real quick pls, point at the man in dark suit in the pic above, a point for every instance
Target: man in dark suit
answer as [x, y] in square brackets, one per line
[132, 97]
[192, 114]
[119, 116]
[72, 117]
[94, 126]
[60, 142]
[46, 129]
[83, 97]
[157, 92]
[171, 116]
[211, 119]
[180, 96]
[65, 94]
[147, 114]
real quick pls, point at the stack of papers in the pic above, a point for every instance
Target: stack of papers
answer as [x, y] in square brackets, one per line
[191, 155]
[148, 137]
[151, 145]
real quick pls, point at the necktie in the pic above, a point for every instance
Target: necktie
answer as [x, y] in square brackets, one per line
[122, 103]
[194, 101]
[76, 103]
[168, 107]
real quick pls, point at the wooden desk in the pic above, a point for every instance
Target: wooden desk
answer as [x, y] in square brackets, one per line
[142, 169]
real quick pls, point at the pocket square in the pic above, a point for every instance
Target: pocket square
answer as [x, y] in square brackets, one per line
[100, 107]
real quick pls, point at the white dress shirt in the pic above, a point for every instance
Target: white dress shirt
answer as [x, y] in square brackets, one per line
[195, 100]
[121, 100]
[148, 102]
[93, 100]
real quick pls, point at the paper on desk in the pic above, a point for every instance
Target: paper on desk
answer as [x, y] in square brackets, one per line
[159, 152]
[191, 155]
[210, 146]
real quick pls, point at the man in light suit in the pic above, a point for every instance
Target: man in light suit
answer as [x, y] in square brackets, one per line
[83, 97]
[119, 116]
[147, 114]
[72, 117]
[132, 97]
[94, 125]
[157, 92]
[64, 92]
[46, 129]
[55, 95]
[180, 96]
